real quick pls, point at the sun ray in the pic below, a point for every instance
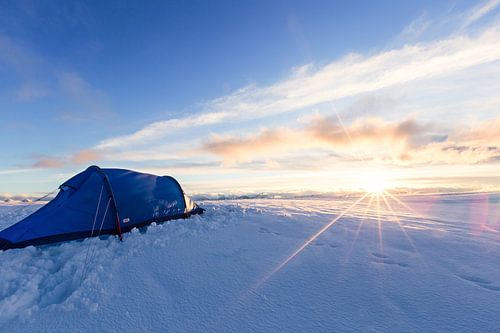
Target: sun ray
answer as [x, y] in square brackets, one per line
[360, 155]
[380, 241]
[398, 220]
[344, 128]
[309, 241]
[405, 205]
[425, 219]
[360, 224]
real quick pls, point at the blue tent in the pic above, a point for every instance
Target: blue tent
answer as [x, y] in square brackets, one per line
[98, 202]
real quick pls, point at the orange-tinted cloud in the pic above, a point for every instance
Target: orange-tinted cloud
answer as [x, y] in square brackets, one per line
[85, 156]
[369, 131]
[324, 133]
[486, 132]
[80, 157]
[267, 141]
[402, 142]
[47, 162]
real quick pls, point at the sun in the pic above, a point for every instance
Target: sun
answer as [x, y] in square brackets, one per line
[376, 186]
[375, 182]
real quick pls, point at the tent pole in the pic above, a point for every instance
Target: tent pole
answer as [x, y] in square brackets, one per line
[118, 221]
[110, 189]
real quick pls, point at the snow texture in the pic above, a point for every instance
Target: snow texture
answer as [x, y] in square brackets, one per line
[435, 270]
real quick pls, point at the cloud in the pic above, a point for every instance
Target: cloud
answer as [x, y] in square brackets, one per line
[480, 11]
[474, 143]
[14, 171]
[160, 129]
[38, 76]
[428, 74]
[415, 29]
[403, 142]
[55, 162]
[75, 85]
[370, 104]
[372, 135]
[88, 103]
[355, 74]
[14, 54]
[486, 133]
[369, 132]
[29, 91]
[10, 198]
[452, 153]
[265, 142]
[493, 159]
[47, 162]
[85, 156]
[351, 75]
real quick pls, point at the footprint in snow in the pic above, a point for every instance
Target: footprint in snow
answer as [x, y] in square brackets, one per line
[379, 255]
[383, 259]
[323, 244]
[483, 283]
[267, 231]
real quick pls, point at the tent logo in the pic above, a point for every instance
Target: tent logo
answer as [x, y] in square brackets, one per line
[127, 220]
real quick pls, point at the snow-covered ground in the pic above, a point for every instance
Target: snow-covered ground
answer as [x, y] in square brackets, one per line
[437, 269]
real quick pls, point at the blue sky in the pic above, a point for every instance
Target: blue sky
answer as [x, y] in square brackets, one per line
[251, 96]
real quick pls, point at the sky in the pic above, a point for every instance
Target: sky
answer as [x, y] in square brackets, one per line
[250, 97]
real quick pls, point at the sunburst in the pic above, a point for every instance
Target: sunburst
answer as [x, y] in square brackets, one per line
[377, 192]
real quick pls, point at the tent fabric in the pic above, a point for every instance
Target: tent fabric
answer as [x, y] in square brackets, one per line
[101, 201]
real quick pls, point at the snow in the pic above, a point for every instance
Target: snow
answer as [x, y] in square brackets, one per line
[435, 270]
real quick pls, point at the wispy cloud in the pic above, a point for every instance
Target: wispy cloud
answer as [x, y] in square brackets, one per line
[367, 133]
[47, 162]
[55, 162]
[266, 142]
[39, 77]
[29, 91]
[415, 29]
[480, 11]
[14, 54]
[349, 76]
[161, 129]
[14, 171]
[85, 156]
[88, 102]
